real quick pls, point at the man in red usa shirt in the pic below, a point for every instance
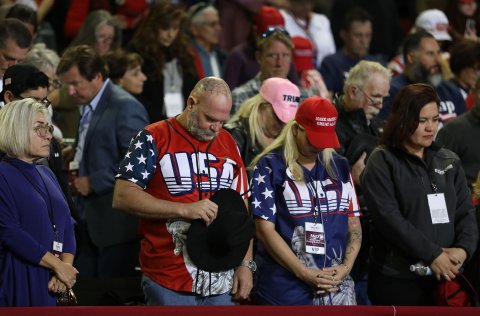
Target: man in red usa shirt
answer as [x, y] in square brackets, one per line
[166, 178]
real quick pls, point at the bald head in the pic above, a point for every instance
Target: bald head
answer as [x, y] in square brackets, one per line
[211, 86]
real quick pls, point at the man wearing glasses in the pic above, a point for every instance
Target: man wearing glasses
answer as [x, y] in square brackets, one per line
[205, 29]
[274, 55]
[358, 130]
[26, 81]
[364, 90]
[15, 41]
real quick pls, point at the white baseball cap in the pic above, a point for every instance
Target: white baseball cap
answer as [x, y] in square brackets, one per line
[434, 22]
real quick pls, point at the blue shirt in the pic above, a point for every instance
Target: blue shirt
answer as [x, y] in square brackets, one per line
[26, 232]
[278, 198]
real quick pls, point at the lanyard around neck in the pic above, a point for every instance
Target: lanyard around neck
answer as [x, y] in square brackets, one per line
[51, 215]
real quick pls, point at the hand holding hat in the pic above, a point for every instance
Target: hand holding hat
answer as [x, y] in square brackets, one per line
[223, 244]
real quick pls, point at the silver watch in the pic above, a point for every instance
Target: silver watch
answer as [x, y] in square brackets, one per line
[249, 264]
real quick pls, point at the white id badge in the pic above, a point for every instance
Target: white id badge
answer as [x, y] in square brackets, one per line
[314, 238]
[438, 208]
[173, 103]
[57, 246]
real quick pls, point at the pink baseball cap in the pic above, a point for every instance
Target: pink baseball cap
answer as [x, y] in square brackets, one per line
[283, 95]
[319, 117]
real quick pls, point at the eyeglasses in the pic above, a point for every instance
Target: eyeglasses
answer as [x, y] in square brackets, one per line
[272, 30]
[211, 23]
[55, 83]
[375, 101]
[43, 129]
[45, 101]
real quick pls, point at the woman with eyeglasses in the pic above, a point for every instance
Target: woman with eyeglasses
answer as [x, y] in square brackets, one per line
[306, 214]
[37, 243]
[422, 218]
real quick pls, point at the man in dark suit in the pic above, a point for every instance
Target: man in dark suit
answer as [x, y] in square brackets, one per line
[110, 118]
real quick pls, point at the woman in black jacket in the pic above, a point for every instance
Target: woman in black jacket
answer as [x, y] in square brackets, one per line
[419, 202]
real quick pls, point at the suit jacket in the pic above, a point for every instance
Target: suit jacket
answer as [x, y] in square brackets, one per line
[117, 118]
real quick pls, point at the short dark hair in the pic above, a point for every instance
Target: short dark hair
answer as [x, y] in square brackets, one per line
[25, 14]
[22, 77]
[404, 118]
[355, 14]
[84, 57]
[119, 61]
[16, 30]
[412, 42]
[464, 54]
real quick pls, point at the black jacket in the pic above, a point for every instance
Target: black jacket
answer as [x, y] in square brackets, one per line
[461, 135]
[395, 185]
[241, 133]
[354, 132]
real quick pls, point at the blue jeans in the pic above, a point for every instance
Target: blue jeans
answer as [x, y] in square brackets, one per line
[157, 295]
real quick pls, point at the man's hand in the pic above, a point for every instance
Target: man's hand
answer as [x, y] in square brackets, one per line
[203, 209]
[242, 283]
[83, 186]
[358, 167]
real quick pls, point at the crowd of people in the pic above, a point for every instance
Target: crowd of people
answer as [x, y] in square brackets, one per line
[239, 152]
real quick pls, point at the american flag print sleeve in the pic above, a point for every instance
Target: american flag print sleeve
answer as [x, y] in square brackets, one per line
[140, 161]
[262, 199]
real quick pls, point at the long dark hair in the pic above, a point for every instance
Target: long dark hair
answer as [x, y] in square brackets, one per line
[162, 16]
[404, 118]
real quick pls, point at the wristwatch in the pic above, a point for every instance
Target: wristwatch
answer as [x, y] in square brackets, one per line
[249, 264]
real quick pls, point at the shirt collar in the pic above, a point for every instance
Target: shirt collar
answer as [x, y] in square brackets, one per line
[96, 99]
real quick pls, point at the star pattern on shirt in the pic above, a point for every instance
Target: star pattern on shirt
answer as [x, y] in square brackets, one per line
[138, 144]
[145, 174]
[262, 199]
[260, 179]
[139, 163]
[267, 193]
[141, 159]
[256, 203]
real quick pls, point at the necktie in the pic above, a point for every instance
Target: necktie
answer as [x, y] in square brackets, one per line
[82, 130]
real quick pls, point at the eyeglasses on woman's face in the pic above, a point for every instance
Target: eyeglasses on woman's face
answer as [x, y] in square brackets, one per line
[42, 130]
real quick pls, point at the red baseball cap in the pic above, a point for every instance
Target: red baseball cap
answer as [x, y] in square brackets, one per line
[302, 53]
[267, 17]
[318, 117]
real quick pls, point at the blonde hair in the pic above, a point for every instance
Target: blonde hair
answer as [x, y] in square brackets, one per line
[286, 139]
[16, 122]
[476, 188]
[250, 110]
[362, 72]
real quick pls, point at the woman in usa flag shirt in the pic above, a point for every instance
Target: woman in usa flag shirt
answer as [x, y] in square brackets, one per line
[306, 213]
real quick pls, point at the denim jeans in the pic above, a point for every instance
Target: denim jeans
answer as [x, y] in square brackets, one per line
[157, 295]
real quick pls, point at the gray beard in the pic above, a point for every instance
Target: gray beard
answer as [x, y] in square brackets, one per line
[420, 75]
[200, 134]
